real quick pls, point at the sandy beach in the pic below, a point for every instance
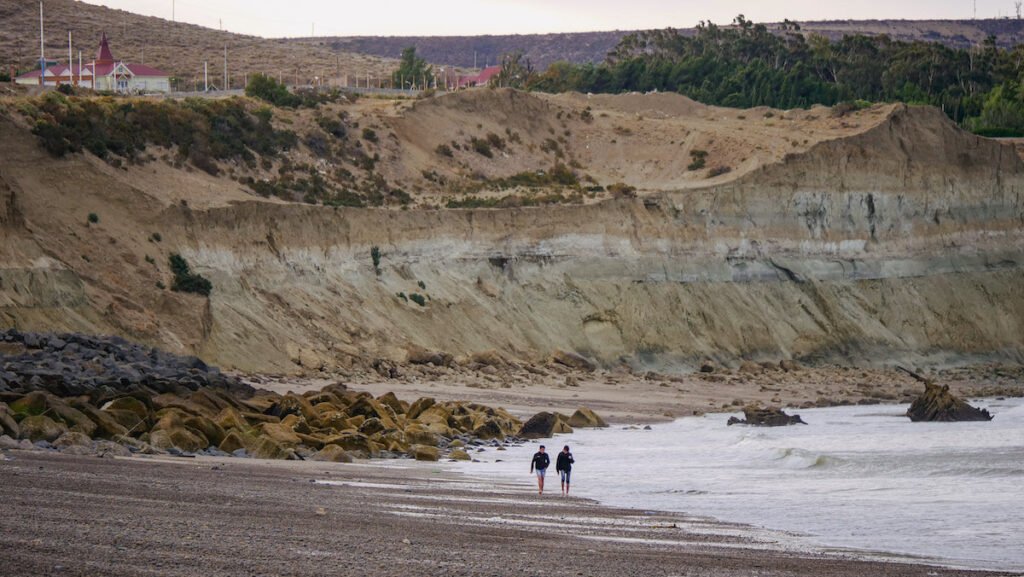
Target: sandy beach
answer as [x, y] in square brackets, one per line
[69, 515]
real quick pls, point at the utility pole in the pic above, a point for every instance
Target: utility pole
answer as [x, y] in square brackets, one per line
[1018, 5]
[71, 62]
[173, 15]
[226, 67]
[42, 49]
[206, 77]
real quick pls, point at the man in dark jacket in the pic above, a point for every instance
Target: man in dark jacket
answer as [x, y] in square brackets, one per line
[563, 465]
[540, 464]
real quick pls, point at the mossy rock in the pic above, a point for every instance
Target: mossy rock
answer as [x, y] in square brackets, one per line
[280, 434]
[371, 427]
[233, 441]
[424, 453]
[72, 439]
[106, 426]
[333, 454]
[212, 431]
[8, 425]
[231, 418]
[181, 438]
[34, 403]
[585, 418]
[460, 455]
[266, 448]
[41, 428]
[417, 408]
[390, 400]
[128, 404]
[418, 435]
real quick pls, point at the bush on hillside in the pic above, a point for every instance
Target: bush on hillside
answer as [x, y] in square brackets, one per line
[270, 90]
[204, 131]
[185, 280]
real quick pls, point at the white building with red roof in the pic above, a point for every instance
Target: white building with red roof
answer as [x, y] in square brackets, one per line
[103, 73]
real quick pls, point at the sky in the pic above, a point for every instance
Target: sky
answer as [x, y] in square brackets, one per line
[291, 18]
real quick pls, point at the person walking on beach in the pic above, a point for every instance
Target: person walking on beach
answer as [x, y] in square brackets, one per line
[540, 464]
[563, 466]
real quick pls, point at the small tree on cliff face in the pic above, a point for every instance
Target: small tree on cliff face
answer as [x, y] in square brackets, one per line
[412, 71]
[375, 256]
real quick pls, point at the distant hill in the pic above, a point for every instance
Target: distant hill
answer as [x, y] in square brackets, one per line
[177, 48]
[579, 48]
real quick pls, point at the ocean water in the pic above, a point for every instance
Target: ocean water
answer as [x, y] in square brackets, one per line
[860, 477]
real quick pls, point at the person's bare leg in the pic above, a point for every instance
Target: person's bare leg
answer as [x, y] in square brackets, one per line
[540, 485]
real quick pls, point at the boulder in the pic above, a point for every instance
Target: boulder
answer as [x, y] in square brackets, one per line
[292, 404]
[41, 428]
[585, 418]
[938, 404]
[766, 417]
[424, 453]
[370, 408]
[280, 434]
[421, 356]
[230, 418]
[489, 429]
[266, 448]
[459, 455]
[573, 361]
[390, 400]
[708, 367]
[544, 425]
[8, 425]
[371, 427]
[789, 365]
[751, 368]
[72, 439]
[419, 435]
[489, 358]
[106, 426]
[418, 407]
[178, 437]
[212, 431]
[233, 441]
[333, 454]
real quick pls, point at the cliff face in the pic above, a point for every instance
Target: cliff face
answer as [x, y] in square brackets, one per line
[901, 241]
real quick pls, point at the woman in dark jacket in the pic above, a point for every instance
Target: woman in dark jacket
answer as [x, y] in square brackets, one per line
[564, 467]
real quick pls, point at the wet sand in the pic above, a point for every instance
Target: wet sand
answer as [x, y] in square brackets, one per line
[71, 515]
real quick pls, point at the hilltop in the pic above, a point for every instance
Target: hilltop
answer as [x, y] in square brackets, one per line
[175, 47]
[593, 47]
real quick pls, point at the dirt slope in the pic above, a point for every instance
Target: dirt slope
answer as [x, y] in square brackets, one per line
[869, 238]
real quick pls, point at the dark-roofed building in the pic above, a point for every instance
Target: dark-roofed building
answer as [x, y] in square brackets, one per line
[104, 72]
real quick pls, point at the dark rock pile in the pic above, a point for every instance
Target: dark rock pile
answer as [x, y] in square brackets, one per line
[938, 404]
[73, 364]
[766, 417]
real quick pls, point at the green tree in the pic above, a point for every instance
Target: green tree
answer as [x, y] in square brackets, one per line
[413, 71]
[516, 72]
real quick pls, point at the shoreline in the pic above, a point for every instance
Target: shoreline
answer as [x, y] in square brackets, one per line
[174, 516]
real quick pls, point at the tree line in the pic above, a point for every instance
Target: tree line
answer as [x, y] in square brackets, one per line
[747, 65]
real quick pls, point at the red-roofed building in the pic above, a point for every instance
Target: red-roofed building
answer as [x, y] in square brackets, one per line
[104, 73]
[482, 79]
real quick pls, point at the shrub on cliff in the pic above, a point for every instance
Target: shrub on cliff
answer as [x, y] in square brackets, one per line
[269, 90]
[185, 280]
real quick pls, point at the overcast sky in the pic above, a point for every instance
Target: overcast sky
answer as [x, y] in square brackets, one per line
[278, 18]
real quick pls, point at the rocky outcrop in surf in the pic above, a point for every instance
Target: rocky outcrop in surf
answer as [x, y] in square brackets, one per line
[938, 404]
[766, 417]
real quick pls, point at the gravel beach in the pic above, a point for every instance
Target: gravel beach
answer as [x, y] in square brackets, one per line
[73, 515]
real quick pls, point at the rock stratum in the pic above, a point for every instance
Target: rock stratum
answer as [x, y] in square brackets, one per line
[883, 235]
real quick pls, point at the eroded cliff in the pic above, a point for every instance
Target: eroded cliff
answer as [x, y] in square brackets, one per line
[898, 237]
